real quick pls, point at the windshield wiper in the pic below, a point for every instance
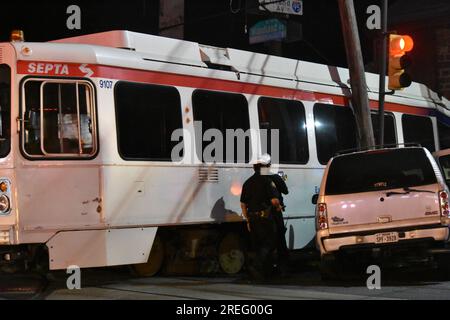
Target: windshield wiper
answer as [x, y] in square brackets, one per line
[391, 193]
[417, 190]
[407, 191]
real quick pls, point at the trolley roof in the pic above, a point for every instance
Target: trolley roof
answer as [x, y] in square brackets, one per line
[131, 50]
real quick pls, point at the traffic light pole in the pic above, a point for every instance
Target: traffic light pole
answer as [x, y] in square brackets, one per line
[383, 63]
[360, 100]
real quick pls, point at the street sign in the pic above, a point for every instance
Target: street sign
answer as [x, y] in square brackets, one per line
[286, 7]
[267, 30]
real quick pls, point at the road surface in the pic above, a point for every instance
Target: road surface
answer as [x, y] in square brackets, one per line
[119, 283]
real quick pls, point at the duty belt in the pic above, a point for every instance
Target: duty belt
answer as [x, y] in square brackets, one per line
[261, 213]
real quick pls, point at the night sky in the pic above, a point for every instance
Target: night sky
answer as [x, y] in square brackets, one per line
[206, 21]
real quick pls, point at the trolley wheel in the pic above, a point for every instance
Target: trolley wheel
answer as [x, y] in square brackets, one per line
[231, 253]
[154, 262]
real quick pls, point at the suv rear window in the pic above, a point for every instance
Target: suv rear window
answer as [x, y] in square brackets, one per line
[379, 170]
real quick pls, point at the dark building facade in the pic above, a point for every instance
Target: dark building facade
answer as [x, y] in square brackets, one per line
[224, 23]
[428, 22]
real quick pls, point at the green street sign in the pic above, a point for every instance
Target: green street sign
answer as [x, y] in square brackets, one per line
[267, 30]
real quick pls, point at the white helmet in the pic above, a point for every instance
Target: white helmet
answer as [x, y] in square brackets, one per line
[263, 160]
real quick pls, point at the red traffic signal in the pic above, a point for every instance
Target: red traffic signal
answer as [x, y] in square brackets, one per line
[398, 61]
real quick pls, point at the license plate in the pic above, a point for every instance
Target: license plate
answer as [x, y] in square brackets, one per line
[386, 237]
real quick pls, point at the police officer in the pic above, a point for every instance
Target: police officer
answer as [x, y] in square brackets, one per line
[258, 200]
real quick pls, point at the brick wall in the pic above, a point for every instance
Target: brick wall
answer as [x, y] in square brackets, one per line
[443, 60]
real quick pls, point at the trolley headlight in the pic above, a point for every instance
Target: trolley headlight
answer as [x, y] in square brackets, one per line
[3, 186]
[4, 204]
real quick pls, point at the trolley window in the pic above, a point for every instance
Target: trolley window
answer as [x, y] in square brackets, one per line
[389, 129]
[146, 117]
[418, 129]
[58, 119]
[444, 135]
[222, 120]
[5, 110]
[335, 130]
[288, 117]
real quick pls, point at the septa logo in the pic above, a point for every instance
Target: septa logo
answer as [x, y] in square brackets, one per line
[86, 70]
[48, 68]
[56, 69]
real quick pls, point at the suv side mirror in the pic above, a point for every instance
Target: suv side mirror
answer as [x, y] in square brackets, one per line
[315, 198]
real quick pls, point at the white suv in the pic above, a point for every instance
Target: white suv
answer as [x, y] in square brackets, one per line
[381, 198]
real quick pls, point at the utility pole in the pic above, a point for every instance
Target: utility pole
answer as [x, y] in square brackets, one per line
[360, 100]
[383, 57]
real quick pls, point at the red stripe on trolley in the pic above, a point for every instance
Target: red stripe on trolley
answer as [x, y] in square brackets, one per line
[171, 79]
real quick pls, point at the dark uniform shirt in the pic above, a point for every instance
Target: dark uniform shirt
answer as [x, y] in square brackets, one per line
[257, 192]
[281, 187]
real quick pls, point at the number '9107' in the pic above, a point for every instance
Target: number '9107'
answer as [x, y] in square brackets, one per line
[106, 84]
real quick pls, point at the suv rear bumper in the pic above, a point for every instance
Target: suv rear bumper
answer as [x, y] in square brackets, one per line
[328, 244]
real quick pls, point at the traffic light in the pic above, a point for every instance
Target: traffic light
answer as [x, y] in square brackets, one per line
[398, 61]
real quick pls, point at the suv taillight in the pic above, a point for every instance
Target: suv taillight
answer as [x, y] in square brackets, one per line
[321, 214]
[443, 200]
